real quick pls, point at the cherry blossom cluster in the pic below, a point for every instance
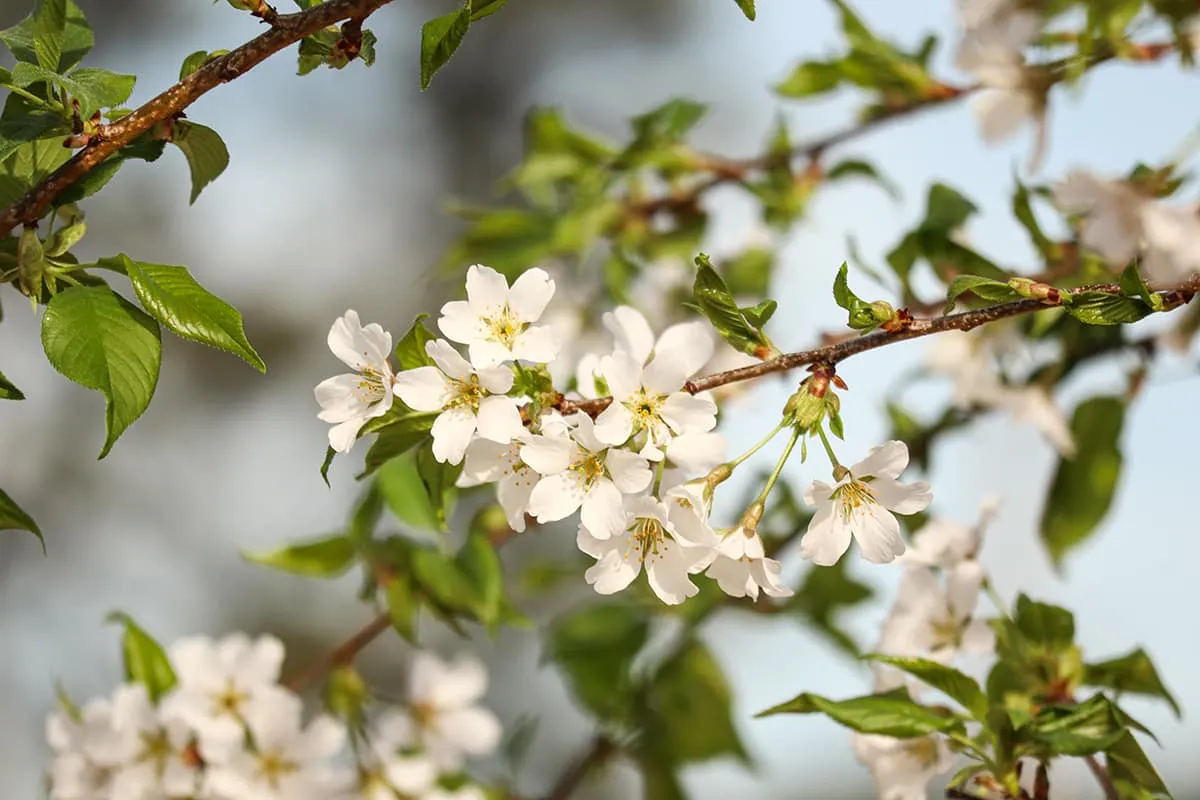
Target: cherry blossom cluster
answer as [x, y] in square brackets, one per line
[641, 474]
[933, 617]
[228, 730]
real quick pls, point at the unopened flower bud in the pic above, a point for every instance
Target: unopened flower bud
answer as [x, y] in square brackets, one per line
[1026, 287]
[346, 693]
[750, 519]
[805, 409]
[719, 474]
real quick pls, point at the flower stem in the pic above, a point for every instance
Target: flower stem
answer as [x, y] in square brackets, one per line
[997, 600]
[783, 457]
[761, 444]
[833, 459]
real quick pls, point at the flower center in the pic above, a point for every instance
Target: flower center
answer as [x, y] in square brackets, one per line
[155, 749]
[946, 630]
[505, 327]
[647, 540]
[852, 496]
[466, 393]
[274, 766]
[229, 701]
[924, 751]
[371, 386]
[589, 468]
[644, 407]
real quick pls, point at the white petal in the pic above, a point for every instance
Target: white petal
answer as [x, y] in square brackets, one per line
[497, 380]
[612, 573]
[765, 572]
[963, 584]
[475, 731]
[690, 344]
[488, 353]
[423, 388]
[695, 453]
[877, 533]
[733, 576]
[1000, 113]
[888, 459]
[688, 414]
[668, 577]
[342, 437]
[452, 431]
[499, 419]
[614, 425]
[902, 498]
[448, 359]
[978, 637]
[487, 291]
[530, 293]
[555, 497]
[459, 324]
[540, 344]
[602, 512]
[358, 346]
[337, 398]
[664, 375]
[818, 493]
[623, 374]
[548, 454]
[827, 537]
[459, 683]
[630, 472]
[513, 495]
[631, 332]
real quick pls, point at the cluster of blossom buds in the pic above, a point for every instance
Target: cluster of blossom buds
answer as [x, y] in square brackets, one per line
[641, 472]
[228, 730]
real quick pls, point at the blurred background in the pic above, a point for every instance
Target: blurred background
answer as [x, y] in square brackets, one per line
[335, 199]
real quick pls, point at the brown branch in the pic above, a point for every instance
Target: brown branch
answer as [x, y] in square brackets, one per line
[598, 751]
[343, 654]
[286, 30]
[1102, 777]
[833, 354]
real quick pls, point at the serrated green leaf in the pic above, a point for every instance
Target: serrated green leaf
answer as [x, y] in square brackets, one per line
[595, 648]
[714, 300]
[440, 37]
[949, 681]
[98, 88]
[174, 298]
[410, 350]
[1078, 730]
[73, 44]
[1132, 773]
[1133, 285]
[145, 660]
[1083, 487]
[860, 315]
[758, 315]
[9, 390]
[96, 338]
[983, 288]
[1044, 625]
[688, 709]
[747, 7]
[205, 151]
[406, 494]
[1101, 308]
[14, 518]
[892, 714]
[811, 78]
[1132, 673]
[402, 433]
[327, 557]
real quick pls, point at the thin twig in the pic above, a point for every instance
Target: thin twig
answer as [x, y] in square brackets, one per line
[833, 354]
[599, 750]
[343, 654]
[286, 30]
[1102, 778]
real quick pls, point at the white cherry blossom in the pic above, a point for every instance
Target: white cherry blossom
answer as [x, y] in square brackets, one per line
[903, 768]
[391, 764]
[349, 400]
[1112, 210]
[936, 619]
[288, 760]
[690, 344]
[1172, 235]
[945, 543]
[651, 540]
[83, 767]
[741, 568]
[220, 684]
[154, 751]
[445, 719]
[490, 462]
[1035, 405]
[992, 52]
[647, 402]
[495, 321]
[861, 505]
[579, 472]
[471, 401]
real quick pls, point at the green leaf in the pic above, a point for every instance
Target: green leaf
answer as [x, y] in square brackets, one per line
[480, 565]
[410, 350]
[595, 648]
[145, 661]
[1023, 211]
[747, 7]
[35, 38]
[1078, 730]
[329, 456]
[811, 78]
[442, 580]
[714, 300]
[9, 390]
[98, 339]
[174, 298]
[667, 124]
[485, 8]
[440, 37]
[660, 780]
[14, 518]
[198, 59]
[983, 288]
[954, 684]
[205, 152]
[688, 709]
[1132, 673]
[319, 558]
[1133, 285]
[1047, 626]
[859, 313]
[98, 88]
[405, 493]
[855, 168]
[439, 479]
[1131, 772]
[758, 315]
[1101, 308]
[946, 209]
[401, 600]
[1083, 487]
[402, 432]
[892, 714]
